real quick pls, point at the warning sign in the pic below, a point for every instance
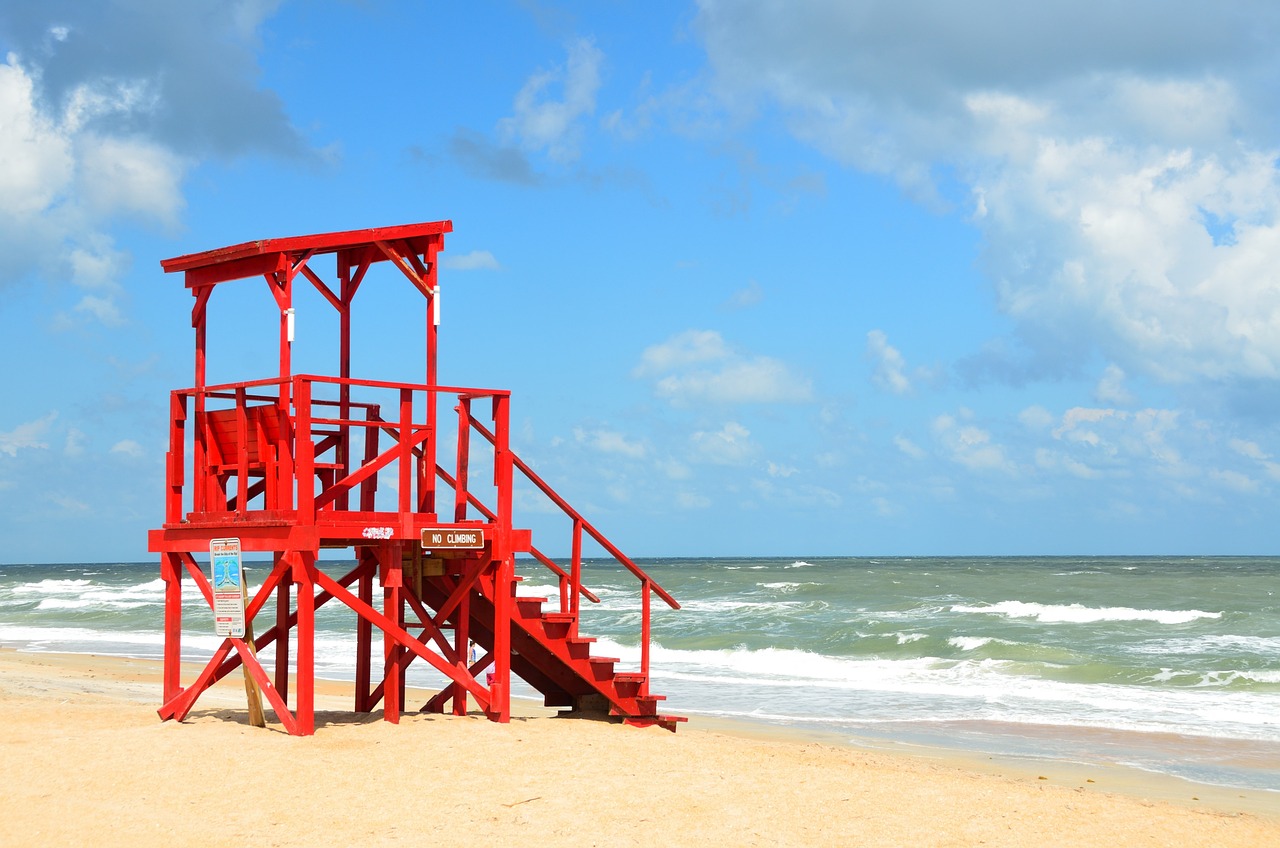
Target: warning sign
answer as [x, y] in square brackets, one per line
[228, 597]
[452, 538]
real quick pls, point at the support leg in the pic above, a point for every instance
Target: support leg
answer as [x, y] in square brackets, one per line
[364, 635]
[283, 603]
[503, 599]
[304, 577]
[393, 655]
[171, 572]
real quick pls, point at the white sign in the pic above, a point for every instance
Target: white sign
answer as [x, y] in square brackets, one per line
[228, 597]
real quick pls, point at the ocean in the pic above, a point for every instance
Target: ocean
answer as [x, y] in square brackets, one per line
[1165, 664]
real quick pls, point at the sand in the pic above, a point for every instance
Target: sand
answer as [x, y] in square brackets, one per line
[85, 760]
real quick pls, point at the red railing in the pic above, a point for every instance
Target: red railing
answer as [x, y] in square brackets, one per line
[292, 448]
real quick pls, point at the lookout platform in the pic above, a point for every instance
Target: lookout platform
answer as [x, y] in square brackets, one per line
[291, 464]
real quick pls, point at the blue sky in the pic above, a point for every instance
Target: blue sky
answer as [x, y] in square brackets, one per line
[764, 278]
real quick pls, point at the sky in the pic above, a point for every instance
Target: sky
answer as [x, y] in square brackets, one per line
[806, 278]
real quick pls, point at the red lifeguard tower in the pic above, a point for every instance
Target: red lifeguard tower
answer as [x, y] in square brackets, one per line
[290, 465]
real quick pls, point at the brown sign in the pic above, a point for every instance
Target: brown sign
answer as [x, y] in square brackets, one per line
[452, 539]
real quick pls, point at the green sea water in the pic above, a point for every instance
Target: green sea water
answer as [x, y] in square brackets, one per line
[1083, 658]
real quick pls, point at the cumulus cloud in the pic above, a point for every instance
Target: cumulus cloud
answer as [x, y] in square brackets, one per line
[699, 366]
[549, 123]
[971, 446]
[730, 445]
[104, 108]
[1119, 159]
[26, 436]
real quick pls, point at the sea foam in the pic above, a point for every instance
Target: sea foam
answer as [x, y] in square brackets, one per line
[1080, 614]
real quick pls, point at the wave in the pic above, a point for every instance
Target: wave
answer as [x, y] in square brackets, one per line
[89, 604]
[1080, 614]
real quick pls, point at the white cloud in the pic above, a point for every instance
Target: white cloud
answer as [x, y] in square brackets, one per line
[607, 441]
[89, 136]
[775, 469]
[691, 500]
[890, 367]
[971, 446]
[26, 436]
[730, 445]
[476, 260]
[127, 447]
[542, 122]
[758, 380]
[1120, 158]
[909, 447]
[1111, 388]
[735, 378]
[1235, 481]
[1036, 417]
[688, 348]
[75, 443]
[746, 297]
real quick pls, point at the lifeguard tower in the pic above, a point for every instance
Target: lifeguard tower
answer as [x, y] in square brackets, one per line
[290, 465]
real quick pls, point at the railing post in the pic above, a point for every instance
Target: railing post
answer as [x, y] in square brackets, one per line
[502, 464]
[575, 573]
[464, 458]
[305, 450]
[242, 461]
[406, 450]
[369, 486]
[200, 457]
[645, 586]
[175, 472]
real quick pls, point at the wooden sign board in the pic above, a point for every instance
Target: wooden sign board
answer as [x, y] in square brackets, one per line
[452, 539]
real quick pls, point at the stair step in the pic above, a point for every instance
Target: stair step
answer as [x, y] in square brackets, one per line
[558, 617]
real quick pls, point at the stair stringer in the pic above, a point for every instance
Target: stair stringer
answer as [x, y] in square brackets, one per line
[557, 664]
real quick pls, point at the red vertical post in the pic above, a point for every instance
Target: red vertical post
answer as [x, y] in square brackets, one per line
[242, 461]
[464, 458]
[364, 633]
[406, 450]
[343, 451]
[176, 462]
[284, 601]
[646, 593]
[427, 490]
[304, 578]
[171, 572]
[393, 608]
[304, 451]
[200, 483]
[575, 573]
[369, 486]
[504, 580]
[462, 644]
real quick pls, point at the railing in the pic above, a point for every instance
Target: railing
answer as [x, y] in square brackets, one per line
[282, 442]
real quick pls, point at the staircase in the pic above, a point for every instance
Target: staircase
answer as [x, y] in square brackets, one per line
[549, 655]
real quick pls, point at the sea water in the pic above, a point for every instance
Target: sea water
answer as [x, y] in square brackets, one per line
[1168, 664]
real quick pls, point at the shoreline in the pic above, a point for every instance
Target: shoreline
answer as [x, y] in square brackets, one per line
[82, 737]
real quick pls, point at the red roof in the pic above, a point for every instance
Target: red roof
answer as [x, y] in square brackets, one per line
[266, 255]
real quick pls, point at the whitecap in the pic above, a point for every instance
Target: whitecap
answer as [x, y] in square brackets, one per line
[1080, 614]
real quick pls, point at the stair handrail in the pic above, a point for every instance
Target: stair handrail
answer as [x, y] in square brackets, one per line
[636, 571]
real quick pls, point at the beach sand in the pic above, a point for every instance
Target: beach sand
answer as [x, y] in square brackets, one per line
[85, 760]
